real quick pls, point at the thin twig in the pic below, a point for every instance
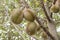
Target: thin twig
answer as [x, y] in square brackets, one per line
[18, 31]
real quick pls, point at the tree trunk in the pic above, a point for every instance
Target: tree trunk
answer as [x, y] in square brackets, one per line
[52, 30]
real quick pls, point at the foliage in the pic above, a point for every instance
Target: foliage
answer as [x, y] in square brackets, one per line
[11, 31]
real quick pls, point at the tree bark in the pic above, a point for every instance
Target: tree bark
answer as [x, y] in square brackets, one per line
[52, 30]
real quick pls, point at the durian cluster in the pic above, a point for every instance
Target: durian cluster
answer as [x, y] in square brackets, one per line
[29, 15]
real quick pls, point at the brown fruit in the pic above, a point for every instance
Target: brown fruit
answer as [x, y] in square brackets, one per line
[29, 14]
[44, 35]
[31, 28]
[54, 9]
[17, 16]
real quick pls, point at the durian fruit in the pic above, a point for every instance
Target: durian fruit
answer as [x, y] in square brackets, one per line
[17, 16]
[44, 35]
[54, 9]
[29, 14]
[31, 28]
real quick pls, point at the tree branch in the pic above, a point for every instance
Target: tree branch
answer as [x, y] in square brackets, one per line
[47, 12]
[51, 23]
[45, 30]
[54, 1]
[24, 3]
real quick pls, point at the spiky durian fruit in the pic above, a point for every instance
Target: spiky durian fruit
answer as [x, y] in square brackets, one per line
[29, 14]
[31, 28]
[54, 9]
